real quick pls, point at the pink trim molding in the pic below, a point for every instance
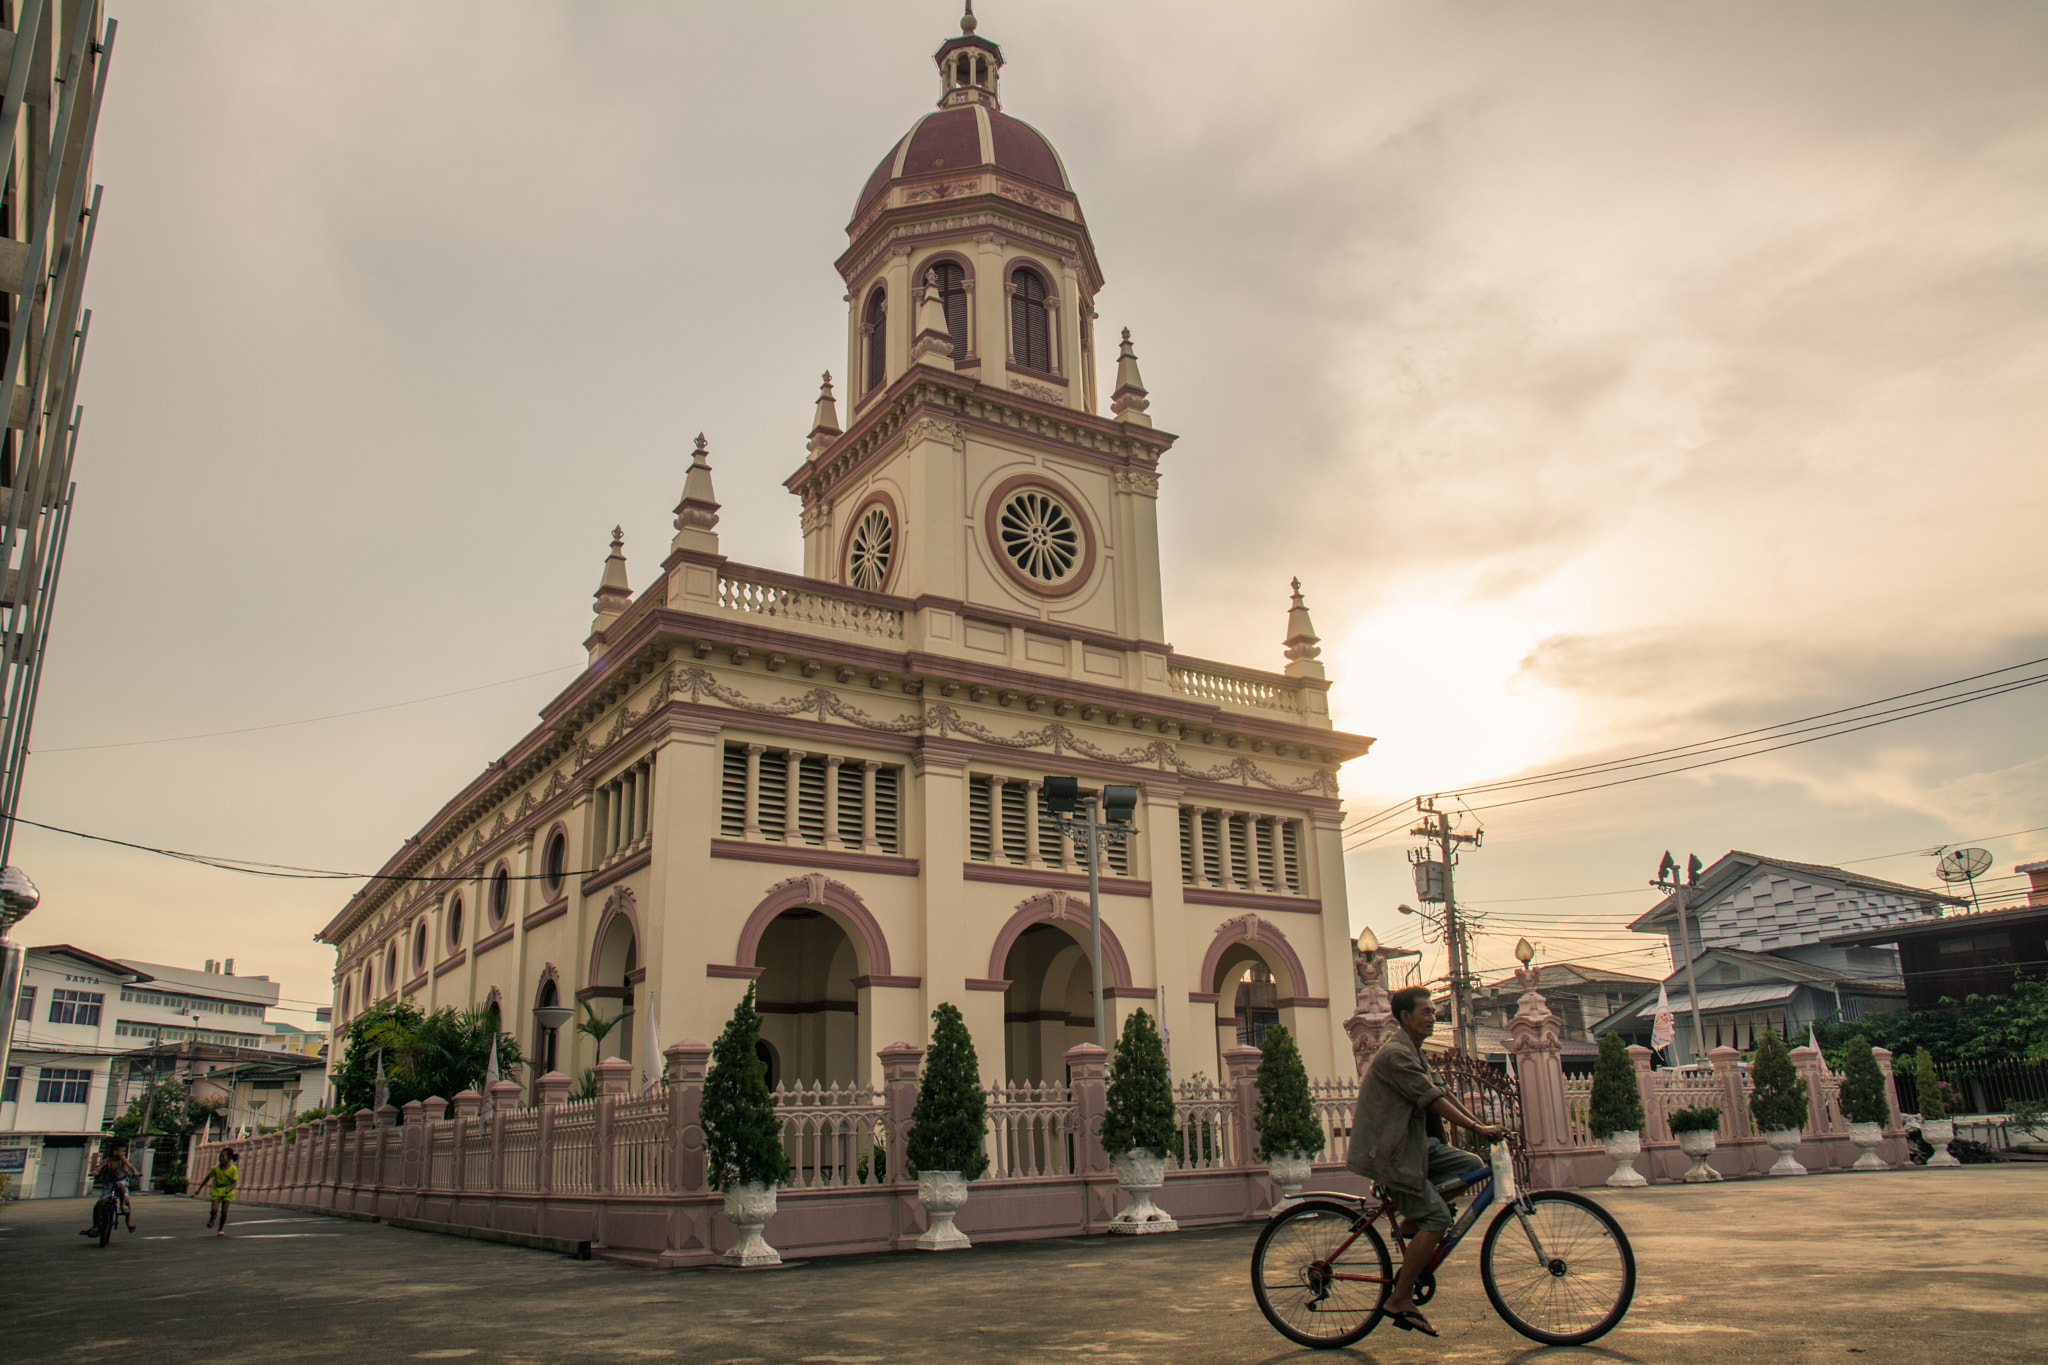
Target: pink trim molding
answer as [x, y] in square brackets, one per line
[490, 941]
[620, 904]
[977, 983]
[742, 973]
[1250, 900]
[461, 956]
[841, 904]
[829, 859]
[1262, 933]
[1046, 879]
[546, 913]
[909, 983]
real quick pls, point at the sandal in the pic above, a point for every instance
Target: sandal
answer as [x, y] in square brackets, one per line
[1410, 1320]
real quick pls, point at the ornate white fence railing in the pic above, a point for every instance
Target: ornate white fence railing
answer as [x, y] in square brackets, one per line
[834, 1136]
[759, 595]
[1030, 1131]
[1230, 689]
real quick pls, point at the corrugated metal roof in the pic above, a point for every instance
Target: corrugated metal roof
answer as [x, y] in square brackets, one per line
[1735, 997]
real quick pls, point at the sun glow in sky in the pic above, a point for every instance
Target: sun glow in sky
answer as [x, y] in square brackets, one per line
[1614, 376]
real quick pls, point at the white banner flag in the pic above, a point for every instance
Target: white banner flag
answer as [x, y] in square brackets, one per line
[490, 1075]
[1665, 1028]
[651, 1065]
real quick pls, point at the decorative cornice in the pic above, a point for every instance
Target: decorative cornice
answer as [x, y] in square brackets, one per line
[547, 912]
[625, 867]
[461, 956]
[484, 945]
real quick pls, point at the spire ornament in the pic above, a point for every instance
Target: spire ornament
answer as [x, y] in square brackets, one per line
[697, 514]
[613, 594]
[1303, 646]
[933, 344]
[825, 425]
[1129, 399]
[967, 20]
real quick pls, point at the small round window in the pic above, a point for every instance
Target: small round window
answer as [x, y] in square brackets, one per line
[870, 550]
[391, 970]
[555, 863]
[1040, 536]
[419, 945]
[501, 896]
[455, 922]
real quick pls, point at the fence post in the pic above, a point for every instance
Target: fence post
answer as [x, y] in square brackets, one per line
[1539, 1071]
[1655, 1127]
[468, 1104]
[412, 1144]
[614, 1082]
[1734, 1109]
[366, 1136]
[687, 1062]
[1241, 1066]
[1896, 1124]
[1806, 1061]
[1088, 1065]
[552, 1091]
[900, 1062]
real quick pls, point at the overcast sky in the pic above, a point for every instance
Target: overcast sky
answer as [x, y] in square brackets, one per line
[1614, 376]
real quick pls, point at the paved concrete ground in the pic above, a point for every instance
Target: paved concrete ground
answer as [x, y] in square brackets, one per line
[1906, 1267]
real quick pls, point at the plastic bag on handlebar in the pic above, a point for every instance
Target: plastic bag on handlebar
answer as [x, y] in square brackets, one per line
[1503, 1171]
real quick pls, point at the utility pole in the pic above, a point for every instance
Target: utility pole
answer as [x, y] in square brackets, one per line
[1436, 826]
[1667, 880]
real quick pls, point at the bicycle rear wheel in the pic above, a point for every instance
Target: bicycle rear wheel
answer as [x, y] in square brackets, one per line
[103, 1222]
[1294, 1280]
[1583, 1284]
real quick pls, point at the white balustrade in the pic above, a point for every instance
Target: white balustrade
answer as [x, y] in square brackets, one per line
[756, 598]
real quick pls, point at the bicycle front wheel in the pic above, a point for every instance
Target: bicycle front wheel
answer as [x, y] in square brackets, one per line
[1317, 1282]
[1579, 1287]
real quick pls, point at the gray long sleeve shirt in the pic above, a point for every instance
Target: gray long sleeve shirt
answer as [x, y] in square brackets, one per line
[1389, 1133]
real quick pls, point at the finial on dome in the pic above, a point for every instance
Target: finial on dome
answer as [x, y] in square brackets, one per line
[825, 425]
[1303, 646]
[967, 19]
[1129, 401]
[968, 67]
[697, 513]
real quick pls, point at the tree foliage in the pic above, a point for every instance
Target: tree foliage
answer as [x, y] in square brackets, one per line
[1975, 1029]
[952, 1109]
[1616, 1106]
[1932, 1107]
[1704, 1119]
[1863, 1096]
[1777, 1097]
[1139, 1109]
[1286, 1118]
[425, 1055]
[742, 1135]
[172, 1112]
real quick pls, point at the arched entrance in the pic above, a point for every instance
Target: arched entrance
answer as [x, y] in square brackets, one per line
[547, 1052]
[809, 1005]
[1253, 976]
[1050, 1005]
[614, 970]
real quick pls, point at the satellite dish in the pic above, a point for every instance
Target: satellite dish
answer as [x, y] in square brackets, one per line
[1963, 864]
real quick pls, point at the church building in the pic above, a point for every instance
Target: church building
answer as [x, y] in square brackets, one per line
[829, 784]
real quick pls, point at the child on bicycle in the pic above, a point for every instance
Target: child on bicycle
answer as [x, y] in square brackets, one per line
[1392, 1146]
[118, 1171]
[221, 1189]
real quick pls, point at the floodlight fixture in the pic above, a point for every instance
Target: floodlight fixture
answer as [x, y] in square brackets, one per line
[1062, 794]
[1119, 804]
[1693, 868]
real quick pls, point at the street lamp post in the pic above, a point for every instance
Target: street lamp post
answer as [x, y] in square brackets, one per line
[1667, 880]
[1063, 795]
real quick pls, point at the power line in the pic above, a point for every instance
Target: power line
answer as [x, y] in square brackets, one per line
[308, 720]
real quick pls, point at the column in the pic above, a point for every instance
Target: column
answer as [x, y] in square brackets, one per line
[1241, 1075]
[792, 831]
[900, 1062]
[615, 810]
[1031, 788]
[868, 843]
[1655, 1129]
[687, 1063]
[832, 839]
[997, 850]
[1088, 1065]
[600, 804]
[1734, 1103]
[1067, 858]
[752, 829]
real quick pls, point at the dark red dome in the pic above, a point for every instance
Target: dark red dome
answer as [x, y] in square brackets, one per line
[966, 138]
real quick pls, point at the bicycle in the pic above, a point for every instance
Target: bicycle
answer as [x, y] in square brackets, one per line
[1321, 1271]
[105, 1211]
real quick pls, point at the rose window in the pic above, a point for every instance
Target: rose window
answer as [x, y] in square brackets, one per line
[867, 555]
[1039, 535]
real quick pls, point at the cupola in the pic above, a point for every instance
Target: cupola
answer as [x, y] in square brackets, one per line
[968, 67]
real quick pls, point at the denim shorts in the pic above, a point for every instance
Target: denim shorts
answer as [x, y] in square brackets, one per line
[1426, 1208]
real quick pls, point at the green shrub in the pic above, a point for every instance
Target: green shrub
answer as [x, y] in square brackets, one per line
[1139, 1110]
[1929, 1086]
[1863, 1097]
[1616, 1106]
[1286, 1121]
[1705, 1119]
[742, 1135]
[951, 1114]
[1777, 1094]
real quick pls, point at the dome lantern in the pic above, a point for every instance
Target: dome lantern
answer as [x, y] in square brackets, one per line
[968, 67]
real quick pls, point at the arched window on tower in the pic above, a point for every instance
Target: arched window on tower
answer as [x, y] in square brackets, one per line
[874, 331]
[953, 296]
[1030, 320]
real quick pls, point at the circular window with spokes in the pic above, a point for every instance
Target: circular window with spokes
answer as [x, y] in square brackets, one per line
[871, 549]
[1042, 539]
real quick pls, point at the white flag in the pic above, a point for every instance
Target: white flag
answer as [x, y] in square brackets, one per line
[490, 1075]
[1665, 1029]
[650, 1066]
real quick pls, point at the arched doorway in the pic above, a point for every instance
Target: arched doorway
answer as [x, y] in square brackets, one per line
[614, 969]
[1252, 974]
[1050, 1004]
[810, 1010]
[547, 1042]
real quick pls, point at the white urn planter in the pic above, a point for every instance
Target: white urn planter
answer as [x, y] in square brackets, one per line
[1290, 1171]
[1785, 1141]
[1139, 1172]
[1699, 1145]
[749, 1207]
[1622, 1149]
[942, 1193]
[1866, 1136]
[1938, 1133]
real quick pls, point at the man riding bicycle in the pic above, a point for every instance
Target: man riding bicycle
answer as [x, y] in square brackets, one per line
[1392, 1146]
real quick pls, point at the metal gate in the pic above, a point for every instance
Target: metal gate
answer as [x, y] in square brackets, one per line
[1488, 1091]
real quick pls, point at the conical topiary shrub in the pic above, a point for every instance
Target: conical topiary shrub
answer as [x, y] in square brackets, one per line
[742, 1135]
[1932, 1106]
[1286, 1118]
[1616, 1106]
[1139, 1111]
[1777, 1099]
[1863, 1097]
[951, 1114]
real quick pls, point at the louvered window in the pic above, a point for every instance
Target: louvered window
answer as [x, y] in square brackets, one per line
[1049, 851]
[772, 801]
[810, 800]
[1212, 848]
[979, 824]
[1190, 835]
[1240, 867]
[732, 793]
[1290, 854]
[953, 297]
[1030, 321]
[851, 799]
[1264, 831]
[1013, 822]
[875, 329]
[1116, 859]
[887, 806]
